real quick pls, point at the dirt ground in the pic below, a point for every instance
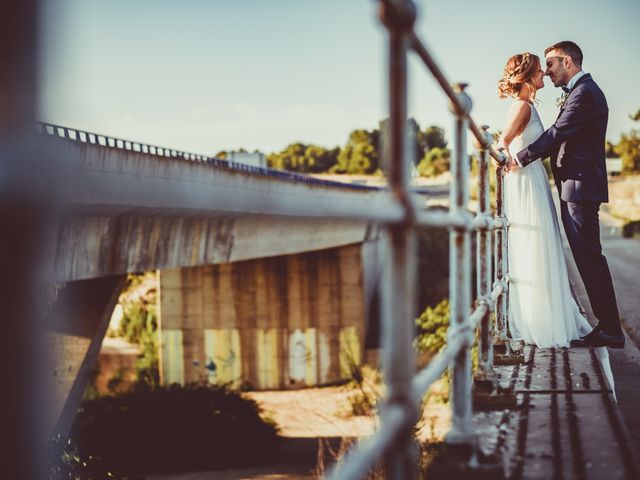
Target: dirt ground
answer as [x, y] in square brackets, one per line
[309, 416]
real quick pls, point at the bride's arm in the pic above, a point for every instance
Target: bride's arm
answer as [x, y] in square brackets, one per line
[517, 120]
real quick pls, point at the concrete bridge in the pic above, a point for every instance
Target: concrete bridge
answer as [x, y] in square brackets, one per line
[299, 287]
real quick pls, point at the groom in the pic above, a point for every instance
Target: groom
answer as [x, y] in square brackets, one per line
[575, 143]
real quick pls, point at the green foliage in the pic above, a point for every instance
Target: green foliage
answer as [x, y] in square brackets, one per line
[299, 157]
[361, 154]
[432, 327]
[435, 161]
[65, 463]
[635, 117]
[364, 390]
[168, 428]
[139, 323]
[628, 148]
[432, 156]
[434, 138]
[631, 229]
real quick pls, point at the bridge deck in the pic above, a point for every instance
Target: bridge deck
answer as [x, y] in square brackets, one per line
[566, 424]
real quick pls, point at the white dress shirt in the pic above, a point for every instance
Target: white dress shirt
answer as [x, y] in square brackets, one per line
[575, 78]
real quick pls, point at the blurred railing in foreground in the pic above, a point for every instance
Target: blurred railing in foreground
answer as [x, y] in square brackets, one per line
[392, 445]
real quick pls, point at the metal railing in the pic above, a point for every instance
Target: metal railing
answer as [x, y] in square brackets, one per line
[392, 445]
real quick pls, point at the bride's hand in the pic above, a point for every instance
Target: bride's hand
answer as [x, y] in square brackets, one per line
[511, 165]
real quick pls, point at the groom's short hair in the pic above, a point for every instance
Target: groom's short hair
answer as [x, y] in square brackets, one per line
[568, 48]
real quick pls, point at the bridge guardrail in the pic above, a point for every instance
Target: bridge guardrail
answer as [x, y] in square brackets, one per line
[392, 444]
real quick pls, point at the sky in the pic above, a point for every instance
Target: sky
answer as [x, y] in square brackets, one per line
[211, 75]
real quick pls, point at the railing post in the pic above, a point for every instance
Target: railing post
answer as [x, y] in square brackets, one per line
[398, 285]
[462, 433]
[501, 340]
[485, 380]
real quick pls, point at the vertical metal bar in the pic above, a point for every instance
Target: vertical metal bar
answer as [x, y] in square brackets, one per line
[483, 261]
[398, 285]
[23, 216]
[462, 431]
[500, 263]
[505, 270]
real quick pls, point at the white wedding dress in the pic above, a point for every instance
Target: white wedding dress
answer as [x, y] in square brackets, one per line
[542, 310]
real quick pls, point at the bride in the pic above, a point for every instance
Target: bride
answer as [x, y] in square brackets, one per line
[542, 309]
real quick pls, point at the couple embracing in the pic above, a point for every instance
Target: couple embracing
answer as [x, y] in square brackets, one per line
[542, 309]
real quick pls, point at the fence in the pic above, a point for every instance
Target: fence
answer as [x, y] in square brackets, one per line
[392, 444]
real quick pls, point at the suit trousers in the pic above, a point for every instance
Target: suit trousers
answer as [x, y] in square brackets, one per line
[582, 227]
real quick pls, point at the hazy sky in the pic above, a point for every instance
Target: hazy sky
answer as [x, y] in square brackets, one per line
[212, 75]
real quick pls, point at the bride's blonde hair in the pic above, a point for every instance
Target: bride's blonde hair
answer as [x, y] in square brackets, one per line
[519, 70]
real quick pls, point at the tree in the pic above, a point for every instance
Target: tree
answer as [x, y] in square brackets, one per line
[609, 150]
[434, 138]
[436, 161]
[299, 157]
[361, 153]
[424, 140]
[628, 148]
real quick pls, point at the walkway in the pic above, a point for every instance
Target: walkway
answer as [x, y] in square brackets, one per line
[566, 425]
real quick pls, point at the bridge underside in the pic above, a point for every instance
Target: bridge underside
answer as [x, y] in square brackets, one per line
[96, 246]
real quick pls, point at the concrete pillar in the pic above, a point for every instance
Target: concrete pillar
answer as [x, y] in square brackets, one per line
[74, 330]
[278, 322]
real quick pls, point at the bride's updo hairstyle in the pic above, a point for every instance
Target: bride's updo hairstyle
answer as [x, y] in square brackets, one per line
[519, 70]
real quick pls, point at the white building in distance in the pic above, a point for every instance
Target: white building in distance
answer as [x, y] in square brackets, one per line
[255, 159]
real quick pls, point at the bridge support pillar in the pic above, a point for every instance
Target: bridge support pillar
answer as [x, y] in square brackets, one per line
[279, 322]
[73, 333]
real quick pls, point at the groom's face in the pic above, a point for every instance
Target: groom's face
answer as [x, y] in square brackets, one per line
[556, 68]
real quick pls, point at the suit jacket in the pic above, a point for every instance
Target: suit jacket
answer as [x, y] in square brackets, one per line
[582, 124]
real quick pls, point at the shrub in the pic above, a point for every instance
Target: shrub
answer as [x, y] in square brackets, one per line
[65, 463]
[629, 229]
[432, 327]
[139, 323]
[175, 427]
[436, 161]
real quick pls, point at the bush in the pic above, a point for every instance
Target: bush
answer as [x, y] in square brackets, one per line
[436, 161]
[65, 463]
[432, 328]
[169, 428]
[139, 323]
[630, 229]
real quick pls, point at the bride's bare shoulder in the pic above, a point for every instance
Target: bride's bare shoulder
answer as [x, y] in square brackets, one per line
[519, 111]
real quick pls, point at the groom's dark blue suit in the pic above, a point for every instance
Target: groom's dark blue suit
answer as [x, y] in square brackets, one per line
[578, 138]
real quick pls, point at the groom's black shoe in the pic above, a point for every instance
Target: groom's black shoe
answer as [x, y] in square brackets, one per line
[591, 333]
[599, 338]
